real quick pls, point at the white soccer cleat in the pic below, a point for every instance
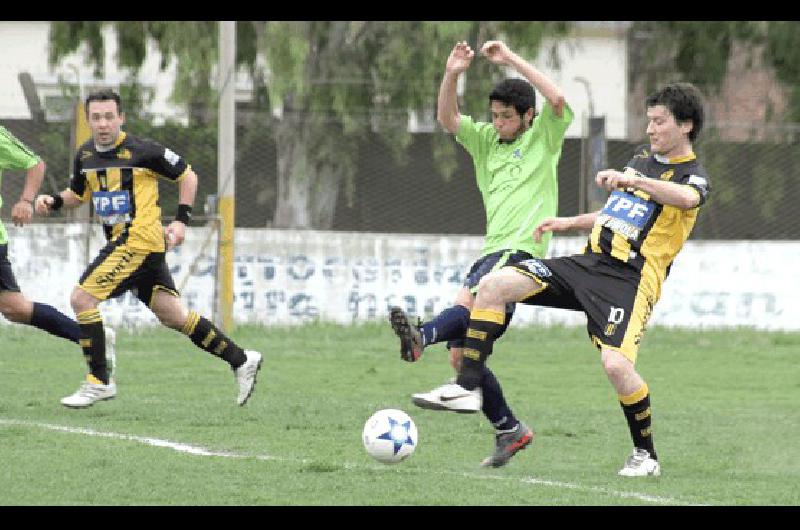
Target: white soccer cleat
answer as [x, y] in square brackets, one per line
[246, 375]
[111, 349]
[90, 391]
[451, 397]
[640, 464]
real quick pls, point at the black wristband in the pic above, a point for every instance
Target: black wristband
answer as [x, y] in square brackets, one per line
[184, 214]
[58, 202]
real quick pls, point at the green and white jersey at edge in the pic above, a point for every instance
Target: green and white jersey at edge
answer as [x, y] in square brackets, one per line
[13, 155]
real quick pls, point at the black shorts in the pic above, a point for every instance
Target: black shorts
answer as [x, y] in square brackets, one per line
[7, 280]
[483, 266]
[616, 304]
[119, 268]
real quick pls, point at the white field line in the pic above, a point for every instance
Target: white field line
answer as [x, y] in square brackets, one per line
[201, 451]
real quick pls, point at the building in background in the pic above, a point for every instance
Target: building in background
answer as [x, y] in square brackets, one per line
[592, 71]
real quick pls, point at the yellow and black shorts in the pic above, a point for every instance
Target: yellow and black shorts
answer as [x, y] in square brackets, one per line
[617, 308]
[119, 268]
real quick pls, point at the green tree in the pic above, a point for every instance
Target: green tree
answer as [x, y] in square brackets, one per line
[324, 86]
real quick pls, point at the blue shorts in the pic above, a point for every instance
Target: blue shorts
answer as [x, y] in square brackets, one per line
[483, 266]
[7, 280]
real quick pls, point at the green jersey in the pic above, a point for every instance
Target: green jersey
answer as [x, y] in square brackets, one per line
[13, 155]
[518, 180]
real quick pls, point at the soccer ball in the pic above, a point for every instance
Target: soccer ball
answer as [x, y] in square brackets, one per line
[390, 436]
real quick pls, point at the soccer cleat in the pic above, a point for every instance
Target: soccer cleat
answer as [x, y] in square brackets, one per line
[90, 391]
[246, 375]
[410, 336]
[451, 397]
[507, 444]
[640, 464]
[111, 351]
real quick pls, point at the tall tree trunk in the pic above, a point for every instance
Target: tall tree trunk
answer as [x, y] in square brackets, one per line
[308, 182]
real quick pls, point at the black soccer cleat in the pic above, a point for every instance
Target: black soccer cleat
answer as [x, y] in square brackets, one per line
[410, 336]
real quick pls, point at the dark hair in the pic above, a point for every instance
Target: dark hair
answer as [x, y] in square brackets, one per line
[516, 93]
[105, 94]
[684, 101]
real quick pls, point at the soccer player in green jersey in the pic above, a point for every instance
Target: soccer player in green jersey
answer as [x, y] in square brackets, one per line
[14, 305]
[516, 158]
[650, 212]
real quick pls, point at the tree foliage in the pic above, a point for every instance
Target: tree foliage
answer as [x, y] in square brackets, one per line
[699, 51]
[330, 83]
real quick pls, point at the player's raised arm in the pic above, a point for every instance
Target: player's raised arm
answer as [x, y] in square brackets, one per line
[498, 53]
[447, 112]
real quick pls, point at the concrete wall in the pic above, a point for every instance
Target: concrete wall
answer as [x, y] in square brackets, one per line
[290, 277]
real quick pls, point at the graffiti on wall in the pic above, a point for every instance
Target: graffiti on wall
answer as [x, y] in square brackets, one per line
[291, 277]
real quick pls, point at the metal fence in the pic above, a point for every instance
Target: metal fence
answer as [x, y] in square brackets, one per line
[753, 183]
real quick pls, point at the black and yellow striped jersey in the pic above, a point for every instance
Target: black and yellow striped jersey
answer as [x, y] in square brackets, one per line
[123, 185]
[646, 235]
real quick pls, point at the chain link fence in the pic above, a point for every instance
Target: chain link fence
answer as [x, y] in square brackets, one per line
[752, 181]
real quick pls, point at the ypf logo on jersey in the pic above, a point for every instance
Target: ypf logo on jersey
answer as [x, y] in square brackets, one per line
[112, 206]
[626, 214]
[615, 317]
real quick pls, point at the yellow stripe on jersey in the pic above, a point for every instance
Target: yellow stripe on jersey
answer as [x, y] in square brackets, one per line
[594, 238]
[620, 247]
[664, 241]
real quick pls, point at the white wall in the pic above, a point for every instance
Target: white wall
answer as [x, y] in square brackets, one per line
[24, 48]
[602, 62]
[290, 276]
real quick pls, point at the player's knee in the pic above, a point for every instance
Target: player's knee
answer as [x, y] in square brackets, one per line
[614, 364]
[490, 288]
[170, 319]
[14, 311]
[80, 301]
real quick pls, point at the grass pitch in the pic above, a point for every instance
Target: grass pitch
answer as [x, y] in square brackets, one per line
[726, 422]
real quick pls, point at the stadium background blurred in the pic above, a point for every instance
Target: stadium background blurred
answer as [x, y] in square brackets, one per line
[748, 147]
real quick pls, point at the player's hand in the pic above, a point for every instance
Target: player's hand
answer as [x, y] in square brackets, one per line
[611, 180]
[496, 51]
[21, 213]
[460, 58]
[552, 224]
[43, 204]
[174, 234]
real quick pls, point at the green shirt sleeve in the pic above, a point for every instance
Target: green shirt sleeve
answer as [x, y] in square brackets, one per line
[476, 137]
[552, 127]
[14, 154]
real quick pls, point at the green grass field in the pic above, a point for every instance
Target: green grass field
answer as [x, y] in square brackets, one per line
[726, 422]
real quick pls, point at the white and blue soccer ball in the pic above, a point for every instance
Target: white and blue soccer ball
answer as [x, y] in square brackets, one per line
[390, 436]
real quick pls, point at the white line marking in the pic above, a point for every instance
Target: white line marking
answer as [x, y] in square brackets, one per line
[202, 451]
